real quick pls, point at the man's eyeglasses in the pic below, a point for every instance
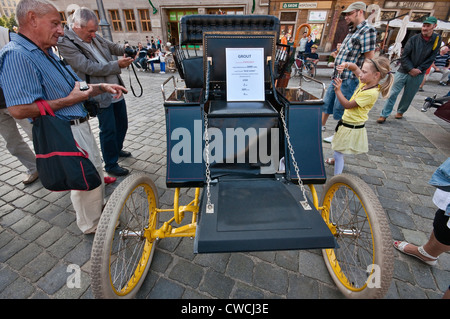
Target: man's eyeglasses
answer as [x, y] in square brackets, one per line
[349, 13]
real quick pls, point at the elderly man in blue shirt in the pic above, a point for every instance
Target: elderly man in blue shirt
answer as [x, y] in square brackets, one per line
[29, 71]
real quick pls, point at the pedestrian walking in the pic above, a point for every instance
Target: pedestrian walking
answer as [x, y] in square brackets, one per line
[417, 56]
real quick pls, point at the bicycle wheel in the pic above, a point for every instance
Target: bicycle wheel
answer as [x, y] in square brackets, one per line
[362, 266]
[395, 65]
[306, 72]
[122, 250]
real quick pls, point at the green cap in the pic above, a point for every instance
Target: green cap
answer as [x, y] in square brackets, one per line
[430, 20]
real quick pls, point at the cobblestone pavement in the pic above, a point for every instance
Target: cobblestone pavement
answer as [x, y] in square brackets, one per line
[39, 238]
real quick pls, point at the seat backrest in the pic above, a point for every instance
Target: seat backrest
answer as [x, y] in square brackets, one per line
[193, 26]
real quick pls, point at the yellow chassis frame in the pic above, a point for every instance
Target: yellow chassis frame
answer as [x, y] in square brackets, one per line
[168, 231]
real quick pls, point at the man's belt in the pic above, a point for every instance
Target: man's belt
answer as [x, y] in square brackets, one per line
[79, 121]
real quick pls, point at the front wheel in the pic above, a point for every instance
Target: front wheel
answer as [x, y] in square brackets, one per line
[362, 265]
[123, 250]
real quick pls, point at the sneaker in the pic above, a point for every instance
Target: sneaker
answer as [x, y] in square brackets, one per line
[139, 65]
[162, 72]
[30, 178]
[420, 89]
[328, 139]
[442, 83]
[324, 128]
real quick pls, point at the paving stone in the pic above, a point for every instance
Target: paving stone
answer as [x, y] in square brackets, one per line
[39, 236]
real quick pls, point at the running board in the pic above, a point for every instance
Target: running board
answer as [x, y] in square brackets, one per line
[261, 214]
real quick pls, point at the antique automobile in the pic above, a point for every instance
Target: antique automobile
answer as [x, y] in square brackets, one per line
[251, 152]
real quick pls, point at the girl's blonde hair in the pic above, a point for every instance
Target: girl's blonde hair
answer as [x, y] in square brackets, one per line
[382, 64]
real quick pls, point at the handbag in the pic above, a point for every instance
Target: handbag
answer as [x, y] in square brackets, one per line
[443, 112]
[61, 163]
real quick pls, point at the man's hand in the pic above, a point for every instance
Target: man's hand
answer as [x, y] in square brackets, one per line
[116, 89]
[337, 82]
[414, 72]
[125, 62]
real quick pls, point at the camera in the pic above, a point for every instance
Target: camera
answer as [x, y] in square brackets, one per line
[92, 107]
[130, 52]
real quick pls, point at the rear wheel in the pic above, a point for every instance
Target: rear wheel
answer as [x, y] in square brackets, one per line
[123, 250]
[362, 266]
[306, 72]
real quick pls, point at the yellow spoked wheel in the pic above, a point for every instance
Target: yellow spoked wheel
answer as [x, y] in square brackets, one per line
[362, 265]
[122, 250]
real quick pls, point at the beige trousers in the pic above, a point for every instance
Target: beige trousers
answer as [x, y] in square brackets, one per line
[88, 204]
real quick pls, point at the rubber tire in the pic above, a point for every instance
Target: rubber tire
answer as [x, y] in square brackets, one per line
[104, 237]
[381, 236]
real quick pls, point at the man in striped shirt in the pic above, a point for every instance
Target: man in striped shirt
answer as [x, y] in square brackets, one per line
[440, 64]
[29, 71]
[359, 44]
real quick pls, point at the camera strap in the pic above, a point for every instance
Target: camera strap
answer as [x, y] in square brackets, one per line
[131, 86]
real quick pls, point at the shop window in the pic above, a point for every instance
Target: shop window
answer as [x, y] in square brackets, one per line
[144, 16]
[316, 32]
[418, 16]
[386, 15]
[62, 15]
[115, 20]
[130, 20]
[288, 16]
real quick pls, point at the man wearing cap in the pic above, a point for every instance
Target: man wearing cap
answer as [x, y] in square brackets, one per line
[358, 45]
[417, 56]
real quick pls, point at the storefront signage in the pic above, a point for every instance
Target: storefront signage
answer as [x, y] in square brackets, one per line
[409, 5]
[297, 5]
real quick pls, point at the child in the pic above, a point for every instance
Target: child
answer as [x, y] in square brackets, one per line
[162, 61]
[312, 58]
[351, 135]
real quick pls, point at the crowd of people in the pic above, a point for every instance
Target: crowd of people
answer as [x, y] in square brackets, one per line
[30, 71]
[149, 55]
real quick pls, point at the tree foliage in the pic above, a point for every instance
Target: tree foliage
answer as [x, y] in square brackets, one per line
[8, 23]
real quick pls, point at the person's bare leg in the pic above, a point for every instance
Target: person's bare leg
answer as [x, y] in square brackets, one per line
[324, 118]
[432, 247]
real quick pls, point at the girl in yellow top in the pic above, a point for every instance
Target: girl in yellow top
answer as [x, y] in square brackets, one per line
[351, 135]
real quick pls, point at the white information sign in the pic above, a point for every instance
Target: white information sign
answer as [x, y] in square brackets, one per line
[245, 74]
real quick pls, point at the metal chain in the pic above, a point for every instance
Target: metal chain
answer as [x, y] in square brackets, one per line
[304, 202]
[209, 206]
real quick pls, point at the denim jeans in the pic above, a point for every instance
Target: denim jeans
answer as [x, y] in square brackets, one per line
[410, 84]
[113, 124]
[331, 103]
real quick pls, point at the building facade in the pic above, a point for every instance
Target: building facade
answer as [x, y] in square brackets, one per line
[8, 7]
[136, 20]
[329, 27]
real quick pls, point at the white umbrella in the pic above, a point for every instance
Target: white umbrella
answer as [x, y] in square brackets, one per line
[397, 48]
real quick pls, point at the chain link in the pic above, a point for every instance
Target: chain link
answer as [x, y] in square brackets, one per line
[304, 202]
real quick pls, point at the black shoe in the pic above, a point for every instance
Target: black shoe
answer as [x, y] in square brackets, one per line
[124, 154]
[118, 171]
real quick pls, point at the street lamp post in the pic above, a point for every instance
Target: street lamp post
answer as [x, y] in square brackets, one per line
[104, 25]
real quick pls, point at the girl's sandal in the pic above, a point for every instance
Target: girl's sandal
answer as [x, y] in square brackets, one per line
[329, 161]
[400, 245]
